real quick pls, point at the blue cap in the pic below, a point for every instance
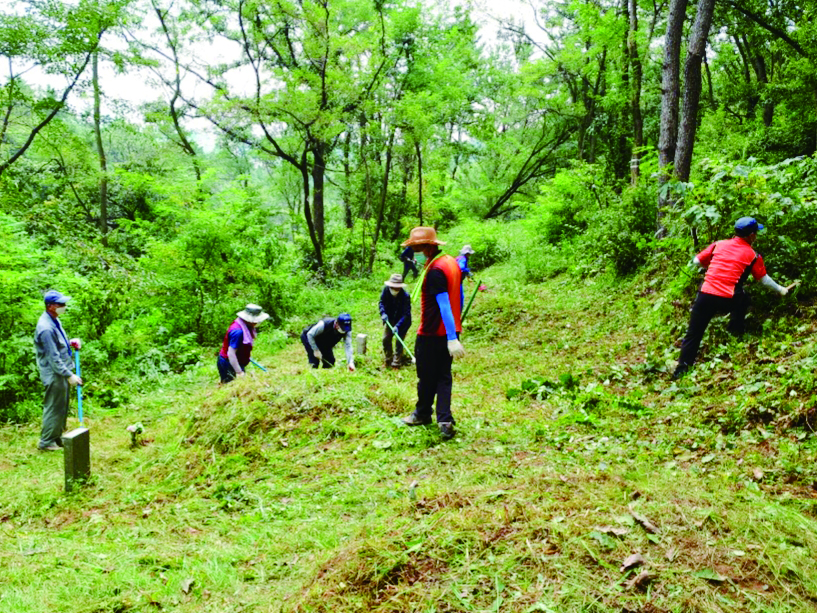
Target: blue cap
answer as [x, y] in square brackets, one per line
[747, 225]
[52, 296]
[345, 322]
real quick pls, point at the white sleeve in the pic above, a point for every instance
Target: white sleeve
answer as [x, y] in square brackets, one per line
[767, 281]
[347, 348]
[313, 332]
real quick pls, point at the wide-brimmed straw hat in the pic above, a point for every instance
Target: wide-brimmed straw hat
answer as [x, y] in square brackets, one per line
[422, 235]
[395, 281]
[466, 250]
[253, 314]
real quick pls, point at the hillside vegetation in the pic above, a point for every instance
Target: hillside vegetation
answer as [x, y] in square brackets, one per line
[300, 490]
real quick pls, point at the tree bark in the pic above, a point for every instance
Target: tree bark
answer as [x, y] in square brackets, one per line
[100, 149]
[419, 180]
[670, 94]
[692, 88]
[310, 225]
[384, 193]
[635, 92]
[318, 175]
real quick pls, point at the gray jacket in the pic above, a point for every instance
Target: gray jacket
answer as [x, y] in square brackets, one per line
[53, 355]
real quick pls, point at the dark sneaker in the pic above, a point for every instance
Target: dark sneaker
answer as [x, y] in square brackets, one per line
[413, 420]
[447, 430]
[680, 371]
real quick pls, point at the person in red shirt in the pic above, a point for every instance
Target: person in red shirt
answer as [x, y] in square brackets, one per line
[437, 341]
[728, 264]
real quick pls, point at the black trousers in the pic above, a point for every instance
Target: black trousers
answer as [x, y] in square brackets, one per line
[433, 378]
[327, 353]
[409, 265]
[705, 307]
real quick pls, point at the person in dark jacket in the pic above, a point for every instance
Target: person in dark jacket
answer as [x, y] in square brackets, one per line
[409, 263]
[395, 310]
[320, 339]
[237, 346]
[728, 264]
[56, 369]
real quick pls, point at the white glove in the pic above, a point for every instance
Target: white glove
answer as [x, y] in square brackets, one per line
[784, 291]
[455, 349]
[351, 367]
[73, 380]
[75, 343]
[317, 354]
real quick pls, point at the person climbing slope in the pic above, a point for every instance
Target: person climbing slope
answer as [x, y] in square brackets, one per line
[728, 264]
[236, 349]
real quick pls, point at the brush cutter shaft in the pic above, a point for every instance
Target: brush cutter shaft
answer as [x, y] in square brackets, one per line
[399, 340]
[474, 295]
[79, 387]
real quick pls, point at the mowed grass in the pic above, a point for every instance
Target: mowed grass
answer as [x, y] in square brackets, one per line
[300, 490]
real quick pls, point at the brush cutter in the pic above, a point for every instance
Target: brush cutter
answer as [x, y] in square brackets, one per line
[400, 340]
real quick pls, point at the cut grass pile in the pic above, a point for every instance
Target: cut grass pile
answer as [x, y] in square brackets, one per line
[580, 478]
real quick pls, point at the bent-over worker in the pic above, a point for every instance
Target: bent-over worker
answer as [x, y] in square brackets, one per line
[320, 339]
[236, 349]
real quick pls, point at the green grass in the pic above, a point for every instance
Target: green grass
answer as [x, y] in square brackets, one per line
[300, 490]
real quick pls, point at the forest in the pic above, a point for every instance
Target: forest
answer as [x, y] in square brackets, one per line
[279, 152]
[333, 128]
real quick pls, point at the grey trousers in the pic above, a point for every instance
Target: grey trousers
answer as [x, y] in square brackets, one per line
[55, 412]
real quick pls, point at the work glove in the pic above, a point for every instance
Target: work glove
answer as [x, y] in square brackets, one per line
[240, 374]
[455, 349]
[784, 291]
[385, 318]
[351, 367]
[75, 343]
[317, 354]
[73, 380]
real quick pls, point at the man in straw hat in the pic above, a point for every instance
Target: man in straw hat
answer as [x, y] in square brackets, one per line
[237, 346]
[437, 341]
[395, 311]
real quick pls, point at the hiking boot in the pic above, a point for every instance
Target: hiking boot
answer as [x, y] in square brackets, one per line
[446, 430]
[51, 447]
[413, 420]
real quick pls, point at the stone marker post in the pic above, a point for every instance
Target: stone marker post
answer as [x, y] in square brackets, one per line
[360, 349]
[77, 444]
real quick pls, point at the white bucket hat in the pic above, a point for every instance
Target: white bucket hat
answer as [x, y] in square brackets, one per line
[253, 314]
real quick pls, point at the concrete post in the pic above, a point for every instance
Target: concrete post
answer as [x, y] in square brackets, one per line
[77, 444]
[360, 343]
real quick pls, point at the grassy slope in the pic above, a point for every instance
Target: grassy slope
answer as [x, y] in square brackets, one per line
[292, 491]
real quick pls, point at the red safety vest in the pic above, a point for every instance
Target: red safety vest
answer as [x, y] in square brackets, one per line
[431, 322]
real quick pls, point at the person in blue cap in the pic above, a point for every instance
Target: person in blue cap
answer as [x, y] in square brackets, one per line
[728, 264]
[54, 360]
[320, 339]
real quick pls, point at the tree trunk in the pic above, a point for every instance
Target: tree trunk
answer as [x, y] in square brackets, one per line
[103, 162]
[635, 92]
[347, 175]
[310, 225]
[318, 175]
[670, 93]
[692, 88]
[419, 181]
[384, 193]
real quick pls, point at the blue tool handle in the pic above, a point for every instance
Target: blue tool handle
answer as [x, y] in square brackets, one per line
[79, 387]
[257, 364]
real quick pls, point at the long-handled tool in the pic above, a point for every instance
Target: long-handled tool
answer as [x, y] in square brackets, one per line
[400, 340]
[474, 295]
[79, 387]
[254, 363]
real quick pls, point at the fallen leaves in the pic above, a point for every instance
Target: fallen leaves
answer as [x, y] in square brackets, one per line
[632, 561]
